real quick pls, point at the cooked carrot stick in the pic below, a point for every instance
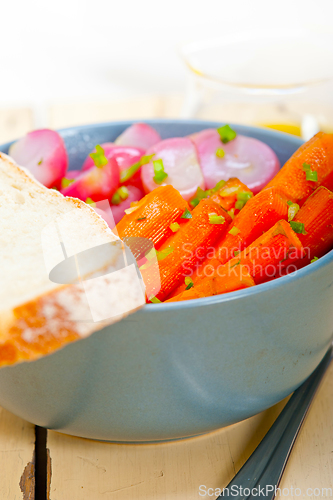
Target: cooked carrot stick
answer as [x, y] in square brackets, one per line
[316, 155]
[259, 214]
[232, 192]
[152, 216]
[208, 222]
[315, 223]
[259, 262]
[238, 280]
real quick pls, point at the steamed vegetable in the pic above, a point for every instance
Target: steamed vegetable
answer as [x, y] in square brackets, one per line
[97, 183]
[238, 279]
[248, 159]
[139, 135]
[187, 246]
[152, 216]
[309, 167]
[175, 162]
[44, 154]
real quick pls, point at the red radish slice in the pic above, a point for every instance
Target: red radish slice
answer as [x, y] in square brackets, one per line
[139, 135]
[180, 162]
[72, 174]
[251, 161]
[118, 211]
[44, 154]
[97, 183]
[125, 156]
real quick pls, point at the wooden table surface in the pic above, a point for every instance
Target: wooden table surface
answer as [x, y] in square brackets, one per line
[81, 469]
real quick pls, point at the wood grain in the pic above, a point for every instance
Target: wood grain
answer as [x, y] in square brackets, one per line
[17, 439]
[83, 469]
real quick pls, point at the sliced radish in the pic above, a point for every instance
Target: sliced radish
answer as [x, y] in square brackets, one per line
[118, 211]
[44, 154]
[180, 162]
[139, 135]
[97, 183]
[251, 161]
[72, 174]
[125, 156]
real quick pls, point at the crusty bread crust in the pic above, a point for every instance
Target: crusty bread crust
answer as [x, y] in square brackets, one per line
[53, 319]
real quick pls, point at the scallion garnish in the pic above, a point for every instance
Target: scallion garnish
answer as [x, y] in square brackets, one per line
[226, 133]
[201, 194]
[298, 227]
[234, 231]
[239, 204]
[306, 167]
[130, 171]
[236, 252]
[313, 260]
[99, 157]
[292, 211]
[189, 283]
[162, 254]
[311, 175]
[186, 215]
[66, 182]
[141, 218]
[120, 195]
[244, 196]
[91, 202]
[289, 202]
[220, 153]
[174, 227]
[216, 219]
[40, 161]
[154, 299]
[160, 175]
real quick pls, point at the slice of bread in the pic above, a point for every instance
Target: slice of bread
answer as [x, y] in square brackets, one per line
[42, 231]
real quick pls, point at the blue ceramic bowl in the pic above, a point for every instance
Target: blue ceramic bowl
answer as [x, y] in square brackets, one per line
[176, 370]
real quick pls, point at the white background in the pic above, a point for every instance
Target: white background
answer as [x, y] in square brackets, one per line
[69, 50]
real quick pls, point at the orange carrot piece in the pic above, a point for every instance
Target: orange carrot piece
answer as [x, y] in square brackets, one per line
[153, 215]
[267, 255]
[189, 245]
[291, 179]
[317, 216]
[228, 194]
[237, 280]
[259, 214]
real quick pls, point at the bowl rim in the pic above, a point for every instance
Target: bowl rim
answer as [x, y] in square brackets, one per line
[309, 269]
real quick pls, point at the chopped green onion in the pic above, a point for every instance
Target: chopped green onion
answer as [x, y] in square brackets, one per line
[99, 157]
[186, 215]
[236, 264]
[234, 231]
[289, 202]
[154, 300]
[201, 194]
[236, 252]
[160, 175]
[231, 213]
[313, 260]
[189, 283]
[244, 196]
[141, 218]
[40, 161]
[311, 175]
[130, 210]
[306, 167]
[66, 182]
[220, 153]
[91, 202]
[174, 227]
[146, 159]
[216, 219]
[120, 195]
[298, 227]
[130, 171]
[226, 133]
[164, 253]
[292, 211]
[239, 204]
